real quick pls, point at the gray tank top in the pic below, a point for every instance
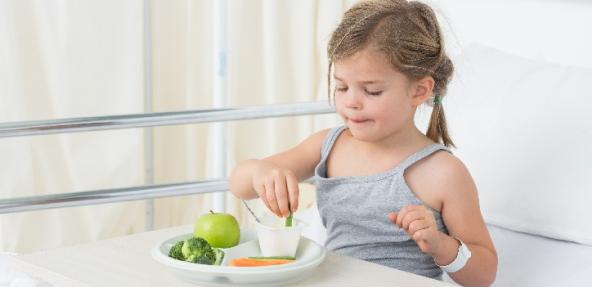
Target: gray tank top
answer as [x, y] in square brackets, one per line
[354, 211]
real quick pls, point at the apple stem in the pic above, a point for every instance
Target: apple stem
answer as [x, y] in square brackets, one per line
[211, 211]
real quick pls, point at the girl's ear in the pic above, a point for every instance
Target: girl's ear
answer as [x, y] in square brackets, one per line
[422, 90]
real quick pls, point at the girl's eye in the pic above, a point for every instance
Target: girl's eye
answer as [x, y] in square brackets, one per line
[340, 89]
[377, 93]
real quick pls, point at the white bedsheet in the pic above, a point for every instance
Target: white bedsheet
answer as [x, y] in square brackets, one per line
[524, 260]
[11, 276]
[530, 260]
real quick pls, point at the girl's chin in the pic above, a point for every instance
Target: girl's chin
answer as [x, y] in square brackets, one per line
[361, 134]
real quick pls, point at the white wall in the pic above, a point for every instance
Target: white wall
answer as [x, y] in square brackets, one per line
[552, 30]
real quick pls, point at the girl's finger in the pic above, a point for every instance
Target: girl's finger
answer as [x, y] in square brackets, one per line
[417, 225]
[293, 191]
[269, 191]
[392, 216]
[419, 235]
[260, 189]
[411, 217]
[423, 245]
[403, 212]
[400, 215]
[281, 195]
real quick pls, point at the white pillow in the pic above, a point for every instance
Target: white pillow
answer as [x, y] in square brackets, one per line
[524, 130]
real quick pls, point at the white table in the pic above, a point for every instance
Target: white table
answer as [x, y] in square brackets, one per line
[126, 261]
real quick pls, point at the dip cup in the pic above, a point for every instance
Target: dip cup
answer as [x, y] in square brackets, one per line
[277, 240]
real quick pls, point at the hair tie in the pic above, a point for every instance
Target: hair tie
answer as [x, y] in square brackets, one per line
[437, 100]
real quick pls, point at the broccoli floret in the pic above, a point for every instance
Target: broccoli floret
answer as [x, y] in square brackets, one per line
[197, 250]
[175, 251]
[194, 248]
[219, 256]
[204, 259]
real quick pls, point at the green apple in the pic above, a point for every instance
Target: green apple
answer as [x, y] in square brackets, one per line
[220, 230]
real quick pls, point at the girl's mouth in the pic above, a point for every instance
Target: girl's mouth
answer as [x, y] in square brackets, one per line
[359, 121]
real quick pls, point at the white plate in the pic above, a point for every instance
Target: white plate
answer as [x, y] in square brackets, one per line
[308, 256]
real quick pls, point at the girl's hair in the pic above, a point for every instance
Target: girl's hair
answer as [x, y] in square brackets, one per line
[409, 35]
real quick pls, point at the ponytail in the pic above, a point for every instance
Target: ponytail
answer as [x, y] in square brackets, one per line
[437, 129]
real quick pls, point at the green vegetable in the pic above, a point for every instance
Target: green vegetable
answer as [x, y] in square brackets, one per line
[175, 251]
[219, 256]
[196, 250]
[274, 258]
[289, 218]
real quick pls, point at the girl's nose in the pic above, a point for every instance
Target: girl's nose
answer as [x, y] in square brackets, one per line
[353, 100]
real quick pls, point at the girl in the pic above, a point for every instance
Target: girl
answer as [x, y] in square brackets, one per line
[386, 192]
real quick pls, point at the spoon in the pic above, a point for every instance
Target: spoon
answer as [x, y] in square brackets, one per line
[251, 211]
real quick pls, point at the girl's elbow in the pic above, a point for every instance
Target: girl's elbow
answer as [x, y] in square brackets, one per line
[483, 276]
[489, 279]
[490, 275]
[493, 273]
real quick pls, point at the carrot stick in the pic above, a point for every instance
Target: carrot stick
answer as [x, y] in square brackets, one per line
[249, 262]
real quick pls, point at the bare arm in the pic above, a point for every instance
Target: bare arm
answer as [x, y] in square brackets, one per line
[451, 182]
[275, 179]
[462, 216]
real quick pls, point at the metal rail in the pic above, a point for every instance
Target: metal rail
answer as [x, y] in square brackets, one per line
[110, 195]
[19, 129]
[32, 128]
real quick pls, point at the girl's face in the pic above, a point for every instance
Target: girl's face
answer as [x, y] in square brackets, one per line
[374, 100]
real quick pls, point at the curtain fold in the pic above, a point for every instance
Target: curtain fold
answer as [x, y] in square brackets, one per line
[65, 59]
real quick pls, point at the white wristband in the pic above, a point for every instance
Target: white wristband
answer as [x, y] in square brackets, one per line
[462, 257]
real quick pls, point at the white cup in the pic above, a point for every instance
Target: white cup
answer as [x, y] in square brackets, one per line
[277, 240]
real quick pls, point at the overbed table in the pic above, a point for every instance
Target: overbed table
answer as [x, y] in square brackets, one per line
[126, 261]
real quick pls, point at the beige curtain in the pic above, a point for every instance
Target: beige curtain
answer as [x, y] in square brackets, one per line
[69, 59]
[276, 55]
[84, 58]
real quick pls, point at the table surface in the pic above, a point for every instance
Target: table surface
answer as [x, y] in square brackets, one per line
[126, 261]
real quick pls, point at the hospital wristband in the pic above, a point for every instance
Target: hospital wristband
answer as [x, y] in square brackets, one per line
[462, 257]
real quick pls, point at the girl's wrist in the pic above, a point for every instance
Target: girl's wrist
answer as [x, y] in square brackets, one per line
[260, 167]
[447, 251]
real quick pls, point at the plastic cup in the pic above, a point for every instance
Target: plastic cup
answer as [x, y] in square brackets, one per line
[277, 240]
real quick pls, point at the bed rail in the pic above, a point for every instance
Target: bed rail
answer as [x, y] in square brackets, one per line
[71, 125]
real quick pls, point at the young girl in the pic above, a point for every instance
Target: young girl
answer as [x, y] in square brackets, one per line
[386, 192]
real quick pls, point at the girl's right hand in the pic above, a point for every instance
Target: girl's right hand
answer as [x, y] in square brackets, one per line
[277, 187]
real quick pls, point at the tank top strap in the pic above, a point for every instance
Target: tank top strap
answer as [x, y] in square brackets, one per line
[421, 154]
[330, 141]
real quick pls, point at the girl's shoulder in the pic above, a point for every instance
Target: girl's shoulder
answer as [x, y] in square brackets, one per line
[443, 167]
[302, 158]
[313, 144]
[444, 162]
[318, 138]
[439, 177]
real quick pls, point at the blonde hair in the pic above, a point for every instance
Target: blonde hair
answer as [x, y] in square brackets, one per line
[409, 35]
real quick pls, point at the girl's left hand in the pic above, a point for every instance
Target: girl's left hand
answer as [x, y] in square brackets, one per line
[419, 223]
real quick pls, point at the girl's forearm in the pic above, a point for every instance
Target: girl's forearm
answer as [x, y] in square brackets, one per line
[481, 268]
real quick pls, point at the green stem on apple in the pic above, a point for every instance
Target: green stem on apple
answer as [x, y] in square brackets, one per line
[211, 211]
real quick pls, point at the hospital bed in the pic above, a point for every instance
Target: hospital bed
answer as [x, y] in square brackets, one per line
[519, 110]
[528, 254]
[519, 115]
